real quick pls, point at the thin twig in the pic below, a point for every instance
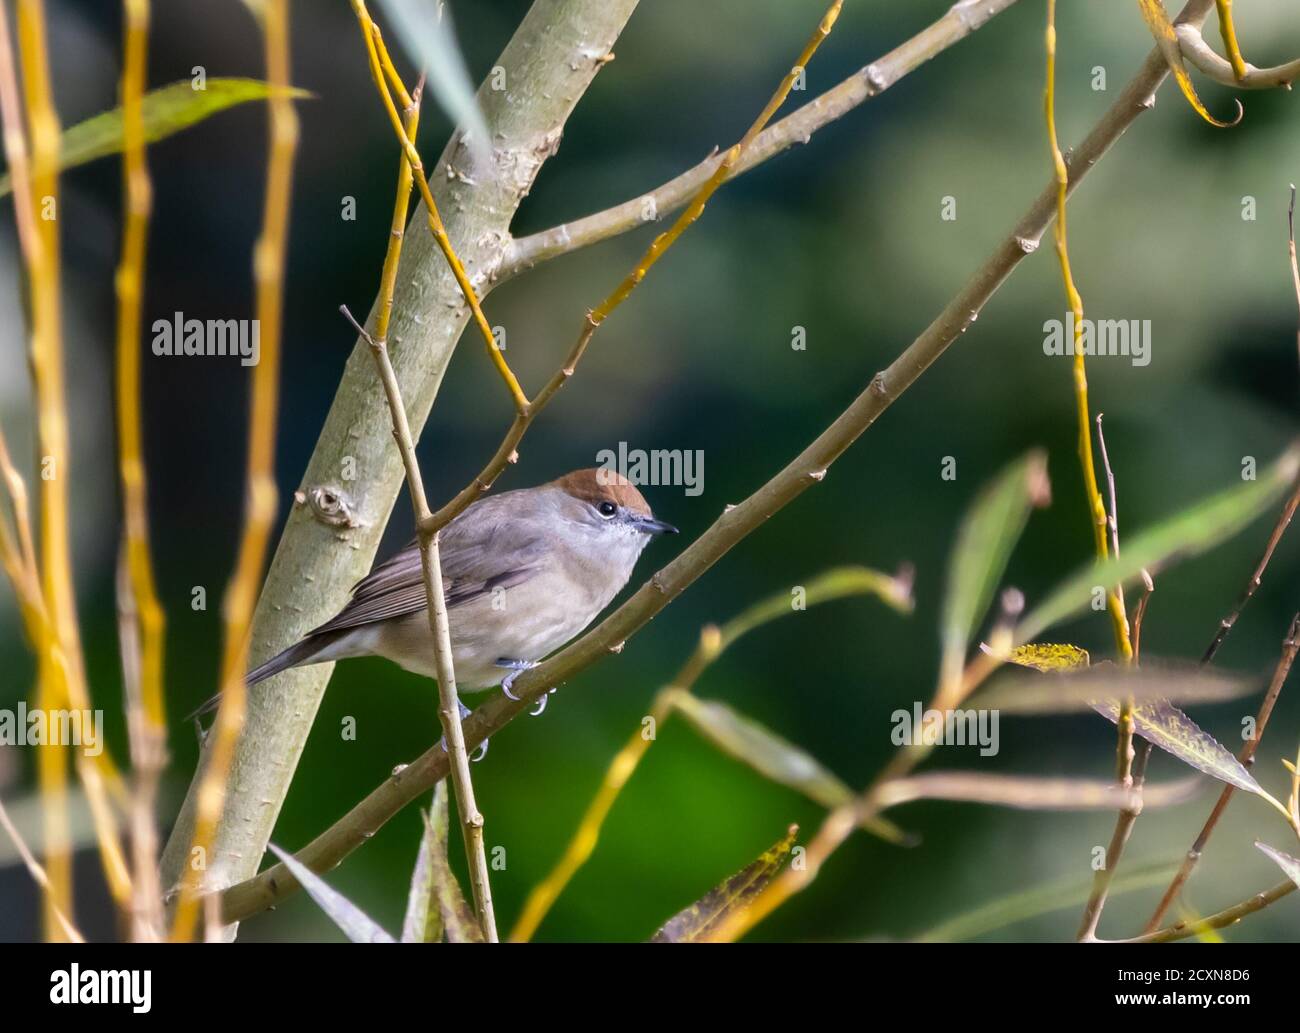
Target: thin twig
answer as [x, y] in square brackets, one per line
[620, 769]
[38, 875]
[379, 63]
[1135, 775]
[471, 818]
[142, 683]
[1221, 920]
[809, 468]
[1202, 57]
[1126, 773]
[962, 19]
[259, 515]
[61, 680]
[1290, 647]
[1295, 268]
[1096, 508]
[1256, 577]
[506, 452]
[1229, 33]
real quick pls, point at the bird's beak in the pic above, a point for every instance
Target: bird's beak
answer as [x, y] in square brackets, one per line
[649, 525]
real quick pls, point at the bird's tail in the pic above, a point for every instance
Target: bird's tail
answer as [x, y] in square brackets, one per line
[296, 655]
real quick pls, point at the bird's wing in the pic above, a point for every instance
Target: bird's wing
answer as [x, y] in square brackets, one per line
[496, 554]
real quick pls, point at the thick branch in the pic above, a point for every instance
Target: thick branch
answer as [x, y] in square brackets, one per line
[354, 474]
[806, 470]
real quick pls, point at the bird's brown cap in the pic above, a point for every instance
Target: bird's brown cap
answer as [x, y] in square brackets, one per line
[600, 485]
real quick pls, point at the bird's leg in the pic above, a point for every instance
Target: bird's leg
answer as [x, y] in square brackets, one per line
[516, 668]
[483, 748]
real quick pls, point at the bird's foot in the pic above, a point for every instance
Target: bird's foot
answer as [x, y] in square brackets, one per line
[516, 668]
[541, 703]
[483, 746]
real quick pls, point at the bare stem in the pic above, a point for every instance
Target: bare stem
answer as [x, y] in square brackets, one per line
[435, 601]
[1221, 920]
[268, 271]
[380, 65]
[1290, 647]
[142, 632]
[962, 19]
[1201, 57]
[61, 680]
[507, 451]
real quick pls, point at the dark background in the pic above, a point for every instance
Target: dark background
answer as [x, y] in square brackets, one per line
[843, 237]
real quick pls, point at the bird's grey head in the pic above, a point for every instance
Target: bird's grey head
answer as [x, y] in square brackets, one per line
[605, 511]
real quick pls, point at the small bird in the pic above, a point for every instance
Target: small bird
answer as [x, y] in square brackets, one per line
[523, 573]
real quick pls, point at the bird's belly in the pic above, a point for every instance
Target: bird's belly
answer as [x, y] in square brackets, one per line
[526, 622]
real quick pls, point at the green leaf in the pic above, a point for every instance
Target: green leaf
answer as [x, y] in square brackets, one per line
[1049, 656]
[1162, 724]
[357, 926]
[735, 894]
[166, 111]
[424, 27]
[1041, 900]
[839, 583]
[458, 919]
[987, 535]
[1022, 693]
[1193, 531]
[773, 757]
[1029, 792]
[1290, 865]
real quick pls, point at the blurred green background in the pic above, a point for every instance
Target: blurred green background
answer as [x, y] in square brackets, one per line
[842, 237]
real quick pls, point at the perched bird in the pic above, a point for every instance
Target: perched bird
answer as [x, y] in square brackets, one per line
[523, 573]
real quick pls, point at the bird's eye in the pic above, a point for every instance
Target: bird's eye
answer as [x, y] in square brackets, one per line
[607, 509]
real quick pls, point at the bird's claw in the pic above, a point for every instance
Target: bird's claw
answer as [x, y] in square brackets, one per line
[541, 703]
[516, 668]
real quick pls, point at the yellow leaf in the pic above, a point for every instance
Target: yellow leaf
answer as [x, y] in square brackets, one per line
[1049, 656]
[1153, 13]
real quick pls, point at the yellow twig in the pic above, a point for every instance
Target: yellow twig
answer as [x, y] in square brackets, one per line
[381, 69]
[506, 452]
[268, 270]
[1229, 33]
[142, 612]
[692, 211]
[580, 848]
[576, 854]
[61, 678]
[1096, 507]
[130, 277]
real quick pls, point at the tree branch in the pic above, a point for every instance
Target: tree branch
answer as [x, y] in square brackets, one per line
[806, 470]
[1201, 56]
[960, 21]
[354, 476]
